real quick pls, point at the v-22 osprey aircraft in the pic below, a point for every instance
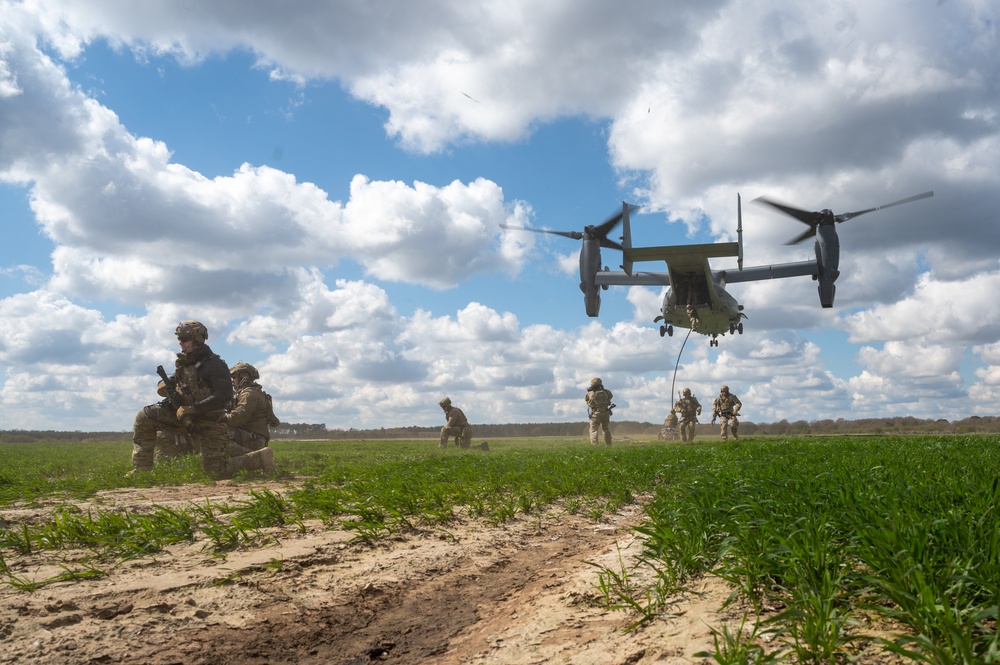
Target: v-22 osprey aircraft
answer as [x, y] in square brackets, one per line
[696, 297]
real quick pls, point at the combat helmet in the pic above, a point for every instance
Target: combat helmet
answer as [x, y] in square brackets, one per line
[245, 368]
[596, 382]
[192, 329]
[445, 402]
[687, 392]
[724, 389]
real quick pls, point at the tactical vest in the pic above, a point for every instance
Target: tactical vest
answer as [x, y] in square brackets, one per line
[189, 387]
[687, 407]
[599, 400]
[725, 403]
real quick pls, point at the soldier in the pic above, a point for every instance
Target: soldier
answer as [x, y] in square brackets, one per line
[203, 388]
[693, 317]
[689, 408]
[457, 426]
[599, 406]
[250, 416]
[669, 431]
[727, 406]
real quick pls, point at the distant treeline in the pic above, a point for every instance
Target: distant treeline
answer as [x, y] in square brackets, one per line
[631, 428]
[620, 429]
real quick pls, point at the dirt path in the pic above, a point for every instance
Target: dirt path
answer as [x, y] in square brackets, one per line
[467, 593]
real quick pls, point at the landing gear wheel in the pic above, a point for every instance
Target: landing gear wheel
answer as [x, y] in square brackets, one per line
[739, 328]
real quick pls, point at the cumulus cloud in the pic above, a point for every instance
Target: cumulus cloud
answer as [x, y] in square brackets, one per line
[132, 225]
[936, 311]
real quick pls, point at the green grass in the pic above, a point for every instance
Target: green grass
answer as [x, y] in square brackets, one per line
[902, 528]
[817, 536]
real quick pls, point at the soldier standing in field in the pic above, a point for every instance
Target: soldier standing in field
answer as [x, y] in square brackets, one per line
[457, 425]
[250, 415]
[202, 389]
[726, 407]
[598, 399]
[689, 408]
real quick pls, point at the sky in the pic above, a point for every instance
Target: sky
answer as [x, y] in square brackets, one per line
[323, 186]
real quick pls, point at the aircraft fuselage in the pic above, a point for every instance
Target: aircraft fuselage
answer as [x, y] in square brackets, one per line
[717, 311]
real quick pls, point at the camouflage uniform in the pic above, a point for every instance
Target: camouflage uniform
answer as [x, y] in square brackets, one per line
[598, 400]
[693, 318]
[689, 408]
[457, 426]
[204, 388]
[670, 431]
[726, 407]
[172, 444]
[250, 413]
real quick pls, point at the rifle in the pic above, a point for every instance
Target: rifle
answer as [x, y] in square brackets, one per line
[173, 397]
[724, 414]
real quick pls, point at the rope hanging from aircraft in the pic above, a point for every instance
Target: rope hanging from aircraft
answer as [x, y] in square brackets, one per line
[673, 381]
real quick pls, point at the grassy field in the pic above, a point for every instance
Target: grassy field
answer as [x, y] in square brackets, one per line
[820, 537]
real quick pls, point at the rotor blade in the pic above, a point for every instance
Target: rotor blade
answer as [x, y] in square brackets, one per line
[850, 215]
[602, 230]
[808, 233]
[804, 216]
[611, 244]
[575, 235]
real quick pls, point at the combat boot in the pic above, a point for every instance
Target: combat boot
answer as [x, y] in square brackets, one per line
[266, 457]
[258, 460]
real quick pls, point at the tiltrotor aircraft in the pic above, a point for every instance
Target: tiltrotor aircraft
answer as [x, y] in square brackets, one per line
[696, 297]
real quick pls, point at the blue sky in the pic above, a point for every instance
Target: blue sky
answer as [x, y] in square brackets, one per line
[324, 188]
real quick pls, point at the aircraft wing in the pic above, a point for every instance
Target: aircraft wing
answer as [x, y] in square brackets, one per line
[778, 271]
[684, 256]
[679, 258]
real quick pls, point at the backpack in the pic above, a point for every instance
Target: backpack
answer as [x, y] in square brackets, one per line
[600, 400]
[272, 420]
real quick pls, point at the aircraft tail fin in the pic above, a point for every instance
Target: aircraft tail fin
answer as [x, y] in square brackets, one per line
[739, 230]
[626, 240]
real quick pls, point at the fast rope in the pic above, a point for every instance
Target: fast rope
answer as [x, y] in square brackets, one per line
[673, 381]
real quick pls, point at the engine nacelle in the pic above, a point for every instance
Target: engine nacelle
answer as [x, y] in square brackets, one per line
[827, 262]
[590, 263]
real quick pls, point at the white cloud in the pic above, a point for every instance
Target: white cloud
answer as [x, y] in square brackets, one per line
[431, 235]
[132, 225]
[937, 311]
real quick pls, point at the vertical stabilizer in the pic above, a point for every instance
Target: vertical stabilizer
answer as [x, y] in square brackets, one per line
[626, 240]
[739, 230]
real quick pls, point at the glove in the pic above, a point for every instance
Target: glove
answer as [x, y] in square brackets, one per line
[184, 413]
[161, 389]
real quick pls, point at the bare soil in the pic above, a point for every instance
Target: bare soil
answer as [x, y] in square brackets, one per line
[468, 592]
